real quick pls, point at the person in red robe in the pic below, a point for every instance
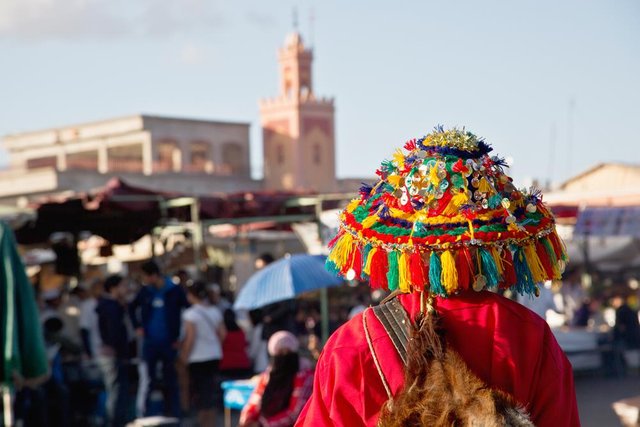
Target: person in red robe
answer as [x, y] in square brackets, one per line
[488, 236]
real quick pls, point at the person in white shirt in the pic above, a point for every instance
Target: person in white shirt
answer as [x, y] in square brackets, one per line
[201, 350]
[541, 304]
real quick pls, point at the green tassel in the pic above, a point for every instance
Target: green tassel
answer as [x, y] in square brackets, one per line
[549, 248]
[435, 272]
[525, 283]
[331, 267]
[494, 201]
[393, 275]
[365, 255]
[489, 268]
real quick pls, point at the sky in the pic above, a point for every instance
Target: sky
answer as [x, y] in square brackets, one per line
[553, 85]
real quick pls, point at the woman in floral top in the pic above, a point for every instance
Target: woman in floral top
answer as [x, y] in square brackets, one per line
[283, 389]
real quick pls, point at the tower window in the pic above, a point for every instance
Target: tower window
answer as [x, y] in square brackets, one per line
[317, 159]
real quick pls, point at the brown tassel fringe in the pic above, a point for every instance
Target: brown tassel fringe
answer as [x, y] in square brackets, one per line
[440, 390]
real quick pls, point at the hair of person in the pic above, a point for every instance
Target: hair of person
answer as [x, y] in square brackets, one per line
[230, 320]
[198, 289]
[53, 325]
[111, 282]
[255, 316]
[279, 389]
[267, 258]
[150, 268]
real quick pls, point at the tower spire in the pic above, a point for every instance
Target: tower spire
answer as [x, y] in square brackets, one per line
[295, 19]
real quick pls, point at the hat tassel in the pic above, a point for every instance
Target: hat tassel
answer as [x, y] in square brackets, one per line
[435, 272]
[463, 264]
[489, 269]
[378, 268]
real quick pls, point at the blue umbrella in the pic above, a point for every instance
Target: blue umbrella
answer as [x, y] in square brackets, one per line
[285, 279]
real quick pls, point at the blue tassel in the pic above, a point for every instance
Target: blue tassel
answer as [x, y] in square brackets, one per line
[525, 283]
[489, 268]
[435, 271]
[331, 267]
[365, 189]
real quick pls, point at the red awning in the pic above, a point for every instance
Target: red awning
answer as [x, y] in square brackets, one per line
[122, 213]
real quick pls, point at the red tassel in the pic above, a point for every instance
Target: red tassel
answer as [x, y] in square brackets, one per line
[509, 277]
[355, 262]
[410, 145]
[417, 270]
[463, 264]
[543, 255]
[333, 241]
[459, 167]
[557, 246]
[379, 267]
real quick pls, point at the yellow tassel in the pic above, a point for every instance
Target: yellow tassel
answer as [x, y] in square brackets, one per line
[449, 276]
[471, 233]
[459, 199]
[398, 158]
[484, 185]
[367, 264]
[405, 275]
[395, 180]
[535, 266]
[341, 252]
[370, 220]
[433, 175]
[353, 205]
[495, 253]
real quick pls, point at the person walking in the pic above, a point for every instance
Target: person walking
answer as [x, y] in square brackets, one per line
[235, 360]
[201, 351]
[113, 354]
[156, 315]
[442, 228]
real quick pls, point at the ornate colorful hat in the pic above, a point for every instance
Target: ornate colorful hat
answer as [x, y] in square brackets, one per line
[445, 218]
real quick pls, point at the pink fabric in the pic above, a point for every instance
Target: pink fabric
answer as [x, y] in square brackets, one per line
[282, 340]
[505, 344]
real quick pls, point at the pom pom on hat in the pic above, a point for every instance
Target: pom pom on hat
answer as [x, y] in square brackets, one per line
[445, 217]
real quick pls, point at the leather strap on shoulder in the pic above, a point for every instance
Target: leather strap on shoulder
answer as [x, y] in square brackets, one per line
[396, 323]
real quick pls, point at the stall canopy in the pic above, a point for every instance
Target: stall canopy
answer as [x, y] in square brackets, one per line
[122, 213]
[608, 237]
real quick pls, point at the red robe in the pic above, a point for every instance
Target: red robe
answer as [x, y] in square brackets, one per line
[505, 344]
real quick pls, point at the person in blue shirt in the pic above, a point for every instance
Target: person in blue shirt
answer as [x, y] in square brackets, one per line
[156, 315]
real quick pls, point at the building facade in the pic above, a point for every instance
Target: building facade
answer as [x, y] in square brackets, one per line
[297, 127]
[170, 154]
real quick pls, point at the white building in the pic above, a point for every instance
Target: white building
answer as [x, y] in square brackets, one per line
[161, 153]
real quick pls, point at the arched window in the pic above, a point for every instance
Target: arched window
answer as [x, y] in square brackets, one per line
[200, 157]
[233, 160]
[168, 157]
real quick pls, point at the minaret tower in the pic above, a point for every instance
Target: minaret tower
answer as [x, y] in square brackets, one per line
[298, 128]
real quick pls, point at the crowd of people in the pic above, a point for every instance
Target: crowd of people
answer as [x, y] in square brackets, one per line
[121, 349]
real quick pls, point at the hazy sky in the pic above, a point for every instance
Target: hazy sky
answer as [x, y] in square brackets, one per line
[521, 74]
